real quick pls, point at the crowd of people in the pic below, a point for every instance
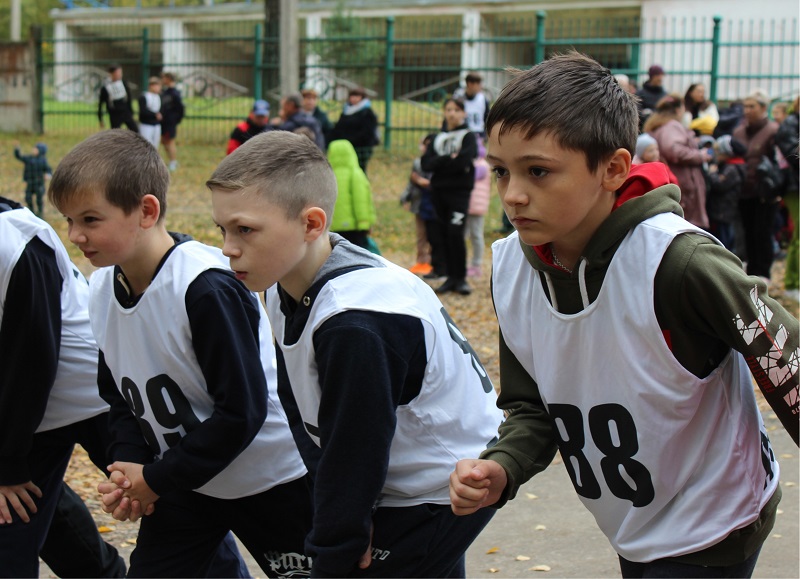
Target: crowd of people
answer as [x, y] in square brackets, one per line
[344, 426]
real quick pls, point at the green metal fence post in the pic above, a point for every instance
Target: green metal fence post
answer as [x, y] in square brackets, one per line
[714, 60]
[145, 58]
[541, 15]
[36, 34]
[389, 84]
[258, 63]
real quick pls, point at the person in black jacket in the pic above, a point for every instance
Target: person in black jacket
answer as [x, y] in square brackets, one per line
[150, 112]
[115, 96]
[172, 112]
[292, 117]
[651, 92]
[359, 125]
[449, 159]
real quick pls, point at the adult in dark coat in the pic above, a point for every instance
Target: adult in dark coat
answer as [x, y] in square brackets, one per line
[359, 125]
[651, 92]
[757, 133]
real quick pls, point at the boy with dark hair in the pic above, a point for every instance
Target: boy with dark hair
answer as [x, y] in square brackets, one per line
[172, 111]
[476, 103]
[200, 442]
[382, 391]
[626, 335]
[35, 172]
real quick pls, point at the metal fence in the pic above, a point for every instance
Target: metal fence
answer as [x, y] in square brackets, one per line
[408, 65]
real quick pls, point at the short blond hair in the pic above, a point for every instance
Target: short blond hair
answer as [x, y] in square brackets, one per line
[288, 169]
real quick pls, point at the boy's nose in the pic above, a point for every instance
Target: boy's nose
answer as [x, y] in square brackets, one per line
[515, 195]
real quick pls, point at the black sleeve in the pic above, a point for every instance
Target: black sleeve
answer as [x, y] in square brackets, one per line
[224, 320]
[146, 116]
[368, 364]
[127, 441]
[30, 338]
[430, 160]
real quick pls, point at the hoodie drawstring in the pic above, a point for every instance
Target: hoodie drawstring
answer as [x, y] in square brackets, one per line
[581, 281]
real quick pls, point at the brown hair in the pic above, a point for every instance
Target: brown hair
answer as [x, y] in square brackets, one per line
[288, 169]
[121, 164]
[666, 110]
[574, 98]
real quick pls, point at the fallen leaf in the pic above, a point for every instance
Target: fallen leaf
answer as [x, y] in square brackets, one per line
[787, 456]
[789, 484]
[104, 529]
[493, 570]
[492, 550]
[531, 496]
[779, 511]
[523, 558]
[540, 568]
[777, 535]
[131, 541]
[540, 527]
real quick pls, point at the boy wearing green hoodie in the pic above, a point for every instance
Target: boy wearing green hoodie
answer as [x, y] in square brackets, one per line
[628, 338]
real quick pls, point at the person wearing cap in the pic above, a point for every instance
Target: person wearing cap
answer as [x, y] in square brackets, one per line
[725, 178]
[757, 133]
[359, 125]
[311, 108]
[292, 117]
[651, 92]
[646, 150]
[256, 122]
[115, 96]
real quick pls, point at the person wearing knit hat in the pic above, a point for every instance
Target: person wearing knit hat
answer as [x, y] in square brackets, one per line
[646, 150]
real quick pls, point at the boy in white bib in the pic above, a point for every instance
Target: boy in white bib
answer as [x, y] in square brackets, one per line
[626, 338]
[200, 443]
[382, 391]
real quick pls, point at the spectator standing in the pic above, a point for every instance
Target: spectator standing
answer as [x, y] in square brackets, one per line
[359, 125]
[115, 96]
[416, 194]
[172, 112]
[150, 112]
[757, 206]
[786, 140]
[449, 159]
[476, 103]
[651, 92]
[311, 107]
[354, 212]
[35, 172]
[678, 149]
[478, 207]
[293, 117]
[256, 122]
[700, 114]
[725, 178]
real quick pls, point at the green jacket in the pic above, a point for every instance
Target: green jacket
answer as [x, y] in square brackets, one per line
[354, 210]
[700, 288]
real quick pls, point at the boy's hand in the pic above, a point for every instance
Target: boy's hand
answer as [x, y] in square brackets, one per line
[475, 484]
[14, 496]
[366, 559]
[120, 507]
[128, 475]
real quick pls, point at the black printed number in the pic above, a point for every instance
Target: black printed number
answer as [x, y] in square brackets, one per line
[465, 346]
[614, 434]
[171, 409]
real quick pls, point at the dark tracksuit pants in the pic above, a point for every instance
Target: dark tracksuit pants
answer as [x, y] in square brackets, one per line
[448, 231]
[179, 538]
[422, 541]
[758, 221]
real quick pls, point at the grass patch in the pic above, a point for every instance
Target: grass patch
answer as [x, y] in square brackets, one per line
[189, 203]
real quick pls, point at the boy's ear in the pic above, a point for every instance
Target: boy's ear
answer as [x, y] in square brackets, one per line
[150, 210]
[316, 222]
[616, 169]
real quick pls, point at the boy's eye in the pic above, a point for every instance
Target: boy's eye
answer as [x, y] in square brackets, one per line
[243, 229]
[499, 172]
[89, 219]
[539, 172]
[221, 229]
